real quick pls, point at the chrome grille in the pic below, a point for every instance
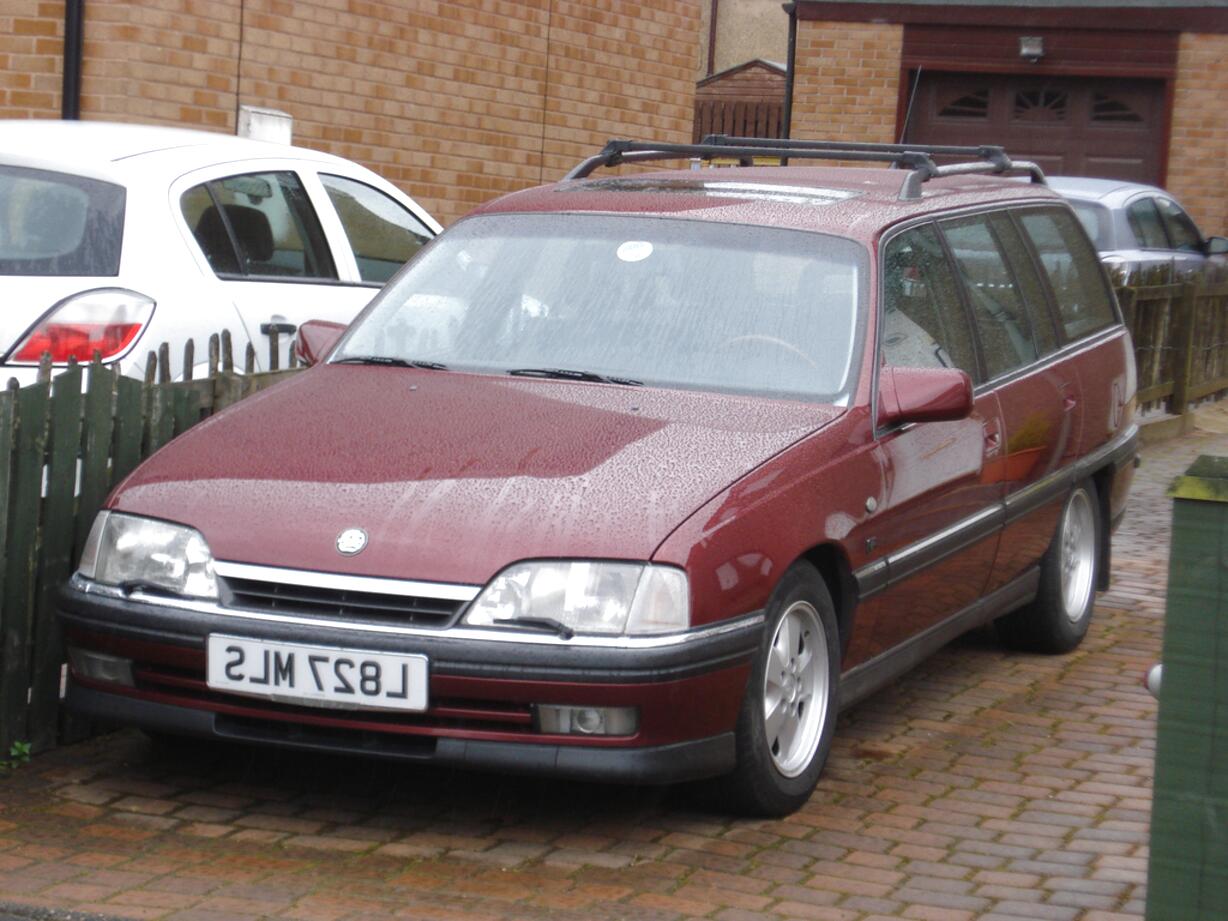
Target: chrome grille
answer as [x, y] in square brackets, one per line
[270, 590]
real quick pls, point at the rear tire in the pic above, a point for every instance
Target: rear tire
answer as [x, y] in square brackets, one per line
[788, 713]
[1057, 620]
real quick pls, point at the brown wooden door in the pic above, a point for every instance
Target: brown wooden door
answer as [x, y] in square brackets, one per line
[1071, 126]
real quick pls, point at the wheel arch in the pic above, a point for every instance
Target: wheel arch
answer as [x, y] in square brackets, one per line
[1102, 479]
[833, 566]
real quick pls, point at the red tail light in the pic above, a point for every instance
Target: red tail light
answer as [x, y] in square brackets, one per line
[106, 320]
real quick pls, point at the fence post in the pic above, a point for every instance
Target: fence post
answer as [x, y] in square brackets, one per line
[1182, 332]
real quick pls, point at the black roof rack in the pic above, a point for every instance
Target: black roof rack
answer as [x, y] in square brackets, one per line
[916, 157]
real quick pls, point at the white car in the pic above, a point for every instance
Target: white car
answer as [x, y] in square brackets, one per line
[116, 238]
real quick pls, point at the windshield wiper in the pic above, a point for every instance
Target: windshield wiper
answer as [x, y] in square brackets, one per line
[567, 374]
[557, 627]
[390, 360]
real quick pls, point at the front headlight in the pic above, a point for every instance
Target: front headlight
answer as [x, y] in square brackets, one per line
[142, 552]
[586, 597]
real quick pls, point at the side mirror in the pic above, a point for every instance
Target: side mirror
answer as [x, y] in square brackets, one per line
[316, 339]
[1216, 246]
[923, 395]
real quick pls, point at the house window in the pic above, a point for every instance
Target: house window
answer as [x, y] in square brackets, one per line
[1044, 105]
[969, 105]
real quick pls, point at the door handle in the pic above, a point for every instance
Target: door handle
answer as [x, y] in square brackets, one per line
[282, 329]
[1069, 402]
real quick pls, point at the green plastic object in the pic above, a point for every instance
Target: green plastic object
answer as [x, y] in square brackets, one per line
[1188, 864]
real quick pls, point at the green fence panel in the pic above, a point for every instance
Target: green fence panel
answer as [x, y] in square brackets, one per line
[56, 556]
[181, 415]
[129, 425]
[98, 425]
[19, 587]
[160, 418]
[8, 431]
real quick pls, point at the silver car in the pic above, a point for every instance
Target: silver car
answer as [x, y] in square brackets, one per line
[1139, 227]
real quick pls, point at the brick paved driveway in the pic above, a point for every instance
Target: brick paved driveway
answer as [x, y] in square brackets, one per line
[984, 785]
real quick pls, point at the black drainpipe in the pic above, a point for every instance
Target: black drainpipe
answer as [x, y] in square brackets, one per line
[74, 29]
[787, 127]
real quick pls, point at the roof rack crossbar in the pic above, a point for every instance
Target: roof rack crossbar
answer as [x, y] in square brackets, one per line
[916, 157]
[982, 151]
[624, 151]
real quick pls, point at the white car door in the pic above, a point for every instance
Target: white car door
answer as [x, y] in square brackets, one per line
[256, 229]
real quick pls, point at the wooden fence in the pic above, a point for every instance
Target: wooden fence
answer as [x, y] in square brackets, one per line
[1180, 342]
[755, 118]
[63, 444]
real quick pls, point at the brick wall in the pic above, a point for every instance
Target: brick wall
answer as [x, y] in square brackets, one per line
[31, 46]
[1199, 144]
[847, 81]
[618, 70]
[456, 101]
[161, 62]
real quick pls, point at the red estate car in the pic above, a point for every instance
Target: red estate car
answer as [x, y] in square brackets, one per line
[639, 477]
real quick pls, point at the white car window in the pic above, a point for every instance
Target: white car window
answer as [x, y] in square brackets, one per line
[383, 234]
[1181, 229]
[258, 225]
[58, 224]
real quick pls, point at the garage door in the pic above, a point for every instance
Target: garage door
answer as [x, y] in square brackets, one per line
[1070, 126]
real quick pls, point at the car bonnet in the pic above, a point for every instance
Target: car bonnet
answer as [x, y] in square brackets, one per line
[453, 476]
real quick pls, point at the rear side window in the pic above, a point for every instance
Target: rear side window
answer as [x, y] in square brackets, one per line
[998, 308]
[1084, 302]
[924, 323]
[1145, 222]
[58, 224]
[382, 233]
[258, 225]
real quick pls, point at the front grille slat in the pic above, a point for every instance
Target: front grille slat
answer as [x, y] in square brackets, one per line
[277, 597]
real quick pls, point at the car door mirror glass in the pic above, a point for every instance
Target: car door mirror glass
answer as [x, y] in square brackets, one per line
[316, 339]
[1217, 246]
[923, 395]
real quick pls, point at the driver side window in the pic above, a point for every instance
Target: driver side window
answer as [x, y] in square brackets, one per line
[924, 324]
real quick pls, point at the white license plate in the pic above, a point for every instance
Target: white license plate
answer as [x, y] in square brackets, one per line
[324, 676]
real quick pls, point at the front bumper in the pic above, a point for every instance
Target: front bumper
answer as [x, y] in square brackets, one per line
[484, 687]
[647, 764]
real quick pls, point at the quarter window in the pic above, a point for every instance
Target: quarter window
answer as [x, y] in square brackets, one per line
[1084, 302]
[382, 233]
[258, 225]
[924, 323]
[998, 309]
[1145, 222]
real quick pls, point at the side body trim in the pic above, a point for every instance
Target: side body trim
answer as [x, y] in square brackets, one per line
[861, 681]
[878, 575]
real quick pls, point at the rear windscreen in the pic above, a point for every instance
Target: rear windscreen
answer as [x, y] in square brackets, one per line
[58, 224]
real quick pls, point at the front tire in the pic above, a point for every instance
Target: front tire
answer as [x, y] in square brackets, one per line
[1058, 619]
[788, 714]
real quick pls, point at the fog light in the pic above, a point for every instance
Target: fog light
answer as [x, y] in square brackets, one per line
[587, 721]
[98, 666]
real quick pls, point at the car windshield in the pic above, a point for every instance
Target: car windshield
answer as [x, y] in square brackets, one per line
[1096, 221]
[57, 224]
[654, 301]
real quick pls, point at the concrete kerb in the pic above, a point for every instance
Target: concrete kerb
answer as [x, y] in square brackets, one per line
[1163, 427]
